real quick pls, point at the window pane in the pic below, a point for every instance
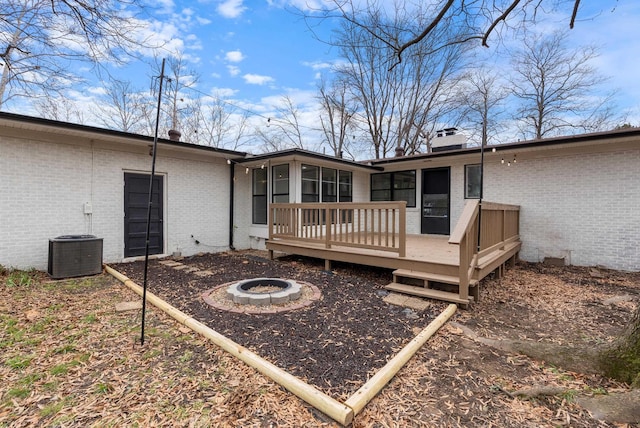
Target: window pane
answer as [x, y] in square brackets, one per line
[381, 195]
[310, 197]
[310, 187]
[329, 185]
[259, 185]
[404, 180]
[260, 181]
[259, 210]
[310, 172]
[345, 186]
[404, 187]
[310, 183]
[472, 181]
[280, 183]
[408, 195]
[381, 181]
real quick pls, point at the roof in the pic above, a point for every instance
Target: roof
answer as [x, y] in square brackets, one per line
[612, 139]
[35, 123]
[290, 154]
[624, 135]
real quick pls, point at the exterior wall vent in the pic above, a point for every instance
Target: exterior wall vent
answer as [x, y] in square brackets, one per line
[74, 255]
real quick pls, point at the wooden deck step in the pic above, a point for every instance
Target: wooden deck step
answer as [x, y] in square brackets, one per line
[427, 292]
[446, 279]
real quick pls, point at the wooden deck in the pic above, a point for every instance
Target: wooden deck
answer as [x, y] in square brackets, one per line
[424, 265]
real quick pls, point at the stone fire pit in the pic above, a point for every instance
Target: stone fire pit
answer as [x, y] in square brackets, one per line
[264, 291]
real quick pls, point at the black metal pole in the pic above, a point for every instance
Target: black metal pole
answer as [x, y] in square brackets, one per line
[151, 179]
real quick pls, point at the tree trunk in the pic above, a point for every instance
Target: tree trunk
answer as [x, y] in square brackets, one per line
[622, 360]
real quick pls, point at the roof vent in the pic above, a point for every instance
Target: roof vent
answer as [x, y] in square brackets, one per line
[174, 135]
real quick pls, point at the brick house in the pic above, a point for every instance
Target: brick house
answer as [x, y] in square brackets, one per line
[579, 196]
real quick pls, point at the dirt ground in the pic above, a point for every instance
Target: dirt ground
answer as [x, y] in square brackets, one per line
[68, 358]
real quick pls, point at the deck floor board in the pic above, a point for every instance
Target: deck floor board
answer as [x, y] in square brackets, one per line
[424, 253]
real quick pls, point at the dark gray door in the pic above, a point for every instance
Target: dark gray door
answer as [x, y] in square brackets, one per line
[136, 200]
[435, 201]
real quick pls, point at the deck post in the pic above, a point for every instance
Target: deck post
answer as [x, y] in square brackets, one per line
[327, 264]
[402, 242]
[270, 224]
[475, 292]
[463, 285]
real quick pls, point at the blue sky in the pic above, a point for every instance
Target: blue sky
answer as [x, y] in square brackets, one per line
[249, 52]
[254, 50]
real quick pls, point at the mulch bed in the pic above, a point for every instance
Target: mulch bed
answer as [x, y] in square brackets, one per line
[335, 344]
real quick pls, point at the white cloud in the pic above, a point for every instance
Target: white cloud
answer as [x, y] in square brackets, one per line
[231, 8]
[305, 5]
[317, 65]
[223, 92]
[257, 79]
[234, 56]
[233, 70]
[165, 6]
[97, 90]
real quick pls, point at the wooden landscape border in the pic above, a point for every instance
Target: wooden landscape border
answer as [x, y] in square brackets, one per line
[342, 413]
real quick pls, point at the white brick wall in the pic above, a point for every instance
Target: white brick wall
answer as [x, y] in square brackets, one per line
[44, 185]
[242, 210]
[584, 208]
[41, 197]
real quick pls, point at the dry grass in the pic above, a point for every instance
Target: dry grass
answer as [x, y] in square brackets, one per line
[67, 358]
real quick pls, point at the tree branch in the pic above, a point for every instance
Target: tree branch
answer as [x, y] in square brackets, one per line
[426, 31]
[495, 22]
[575, 12]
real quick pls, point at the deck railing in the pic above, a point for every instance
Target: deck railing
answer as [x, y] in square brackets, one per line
[373, 225]
[500, 225]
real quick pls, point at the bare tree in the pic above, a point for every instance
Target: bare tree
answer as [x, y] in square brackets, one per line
[178, 105]
[219, 124]
[399, 103]
[284, 130]
[481, 96]
[62, 109]
[475, 20]
[41, 39]
[556, 87]
[336, 115]
[121, 107]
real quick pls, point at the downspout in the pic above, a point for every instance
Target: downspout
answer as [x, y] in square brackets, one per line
[232, 179]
